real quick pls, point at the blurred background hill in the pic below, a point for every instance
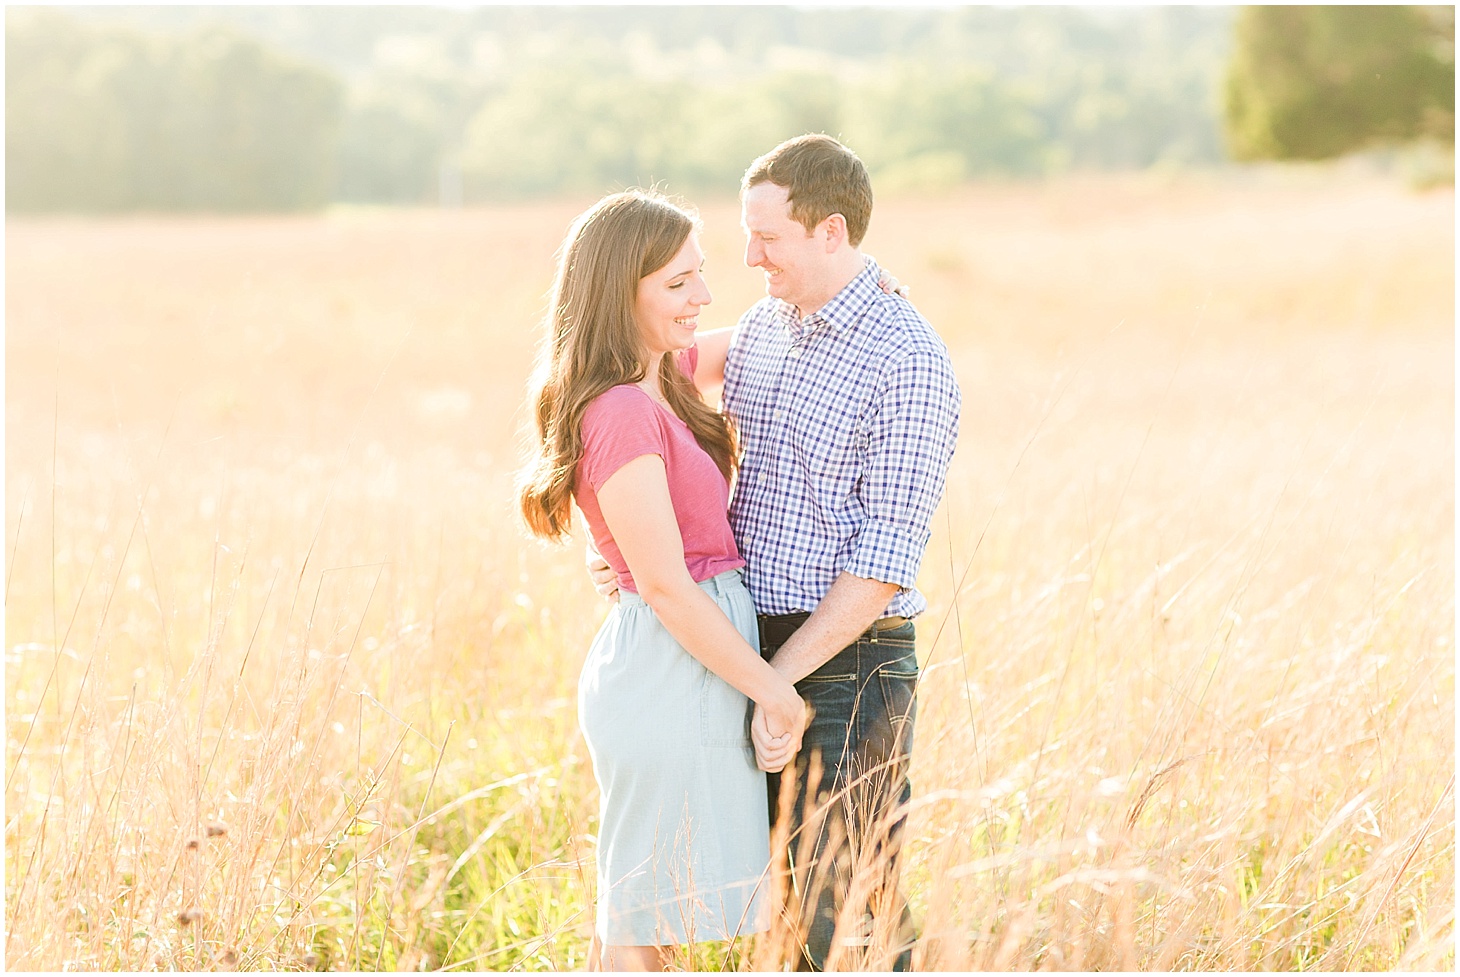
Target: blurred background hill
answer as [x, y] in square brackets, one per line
[243, 108]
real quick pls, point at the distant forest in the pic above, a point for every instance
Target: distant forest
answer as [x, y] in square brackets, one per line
[247, 108]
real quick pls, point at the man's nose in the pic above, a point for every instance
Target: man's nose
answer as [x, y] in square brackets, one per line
[754, 253]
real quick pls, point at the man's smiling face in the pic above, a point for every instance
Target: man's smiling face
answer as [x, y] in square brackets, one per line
[794, 261]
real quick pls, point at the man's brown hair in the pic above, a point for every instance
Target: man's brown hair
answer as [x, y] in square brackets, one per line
[822, 177]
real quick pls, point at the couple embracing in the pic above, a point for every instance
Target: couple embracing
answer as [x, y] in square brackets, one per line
[763, 635]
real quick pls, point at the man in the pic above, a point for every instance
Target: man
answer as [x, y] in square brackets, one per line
[847, 412]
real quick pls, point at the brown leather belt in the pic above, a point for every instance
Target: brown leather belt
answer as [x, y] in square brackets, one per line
[776, 629]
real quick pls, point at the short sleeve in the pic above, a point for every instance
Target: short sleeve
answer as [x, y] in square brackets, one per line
[620, 425]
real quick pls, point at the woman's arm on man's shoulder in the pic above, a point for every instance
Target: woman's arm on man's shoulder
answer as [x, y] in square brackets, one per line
[710, 370]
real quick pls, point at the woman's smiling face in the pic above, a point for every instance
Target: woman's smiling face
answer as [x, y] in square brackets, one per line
[667, 307]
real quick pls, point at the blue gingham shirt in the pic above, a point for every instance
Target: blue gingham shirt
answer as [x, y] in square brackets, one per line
[847, 421]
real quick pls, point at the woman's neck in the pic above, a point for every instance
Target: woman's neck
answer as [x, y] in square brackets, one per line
[650, 383]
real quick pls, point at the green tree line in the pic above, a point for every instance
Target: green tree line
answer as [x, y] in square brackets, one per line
[114, 119]
[289, 108]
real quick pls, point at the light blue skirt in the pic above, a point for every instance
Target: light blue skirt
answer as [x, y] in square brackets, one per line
[683, 838]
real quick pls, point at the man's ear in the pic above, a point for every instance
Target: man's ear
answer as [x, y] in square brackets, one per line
[836, 232]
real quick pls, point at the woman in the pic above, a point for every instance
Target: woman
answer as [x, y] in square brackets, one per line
[664, 694]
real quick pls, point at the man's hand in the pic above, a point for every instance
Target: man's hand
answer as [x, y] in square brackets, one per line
[777, 737]
[605, 581]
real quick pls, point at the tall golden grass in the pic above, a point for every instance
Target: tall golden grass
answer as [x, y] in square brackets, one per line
[286, 686]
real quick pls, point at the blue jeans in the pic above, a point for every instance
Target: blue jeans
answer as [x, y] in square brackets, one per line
[847, 801]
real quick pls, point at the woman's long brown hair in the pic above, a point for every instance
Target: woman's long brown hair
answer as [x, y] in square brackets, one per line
[593, 344]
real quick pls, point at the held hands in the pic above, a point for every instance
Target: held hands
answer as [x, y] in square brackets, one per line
[776, 730]
[779, 722]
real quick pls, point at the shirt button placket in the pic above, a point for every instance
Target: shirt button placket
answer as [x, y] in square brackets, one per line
[779, 412]
[789, 372]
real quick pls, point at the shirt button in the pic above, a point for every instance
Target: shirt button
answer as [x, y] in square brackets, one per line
[795, 352]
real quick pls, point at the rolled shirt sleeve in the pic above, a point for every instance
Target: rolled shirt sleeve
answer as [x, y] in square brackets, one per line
[911, 433]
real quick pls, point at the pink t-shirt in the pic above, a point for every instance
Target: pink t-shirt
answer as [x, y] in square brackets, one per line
[624, 423]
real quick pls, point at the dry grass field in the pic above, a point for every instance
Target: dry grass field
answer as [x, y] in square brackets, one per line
[287, 688]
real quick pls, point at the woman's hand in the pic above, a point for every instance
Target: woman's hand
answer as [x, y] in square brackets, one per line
[891, 285]
[777, 727]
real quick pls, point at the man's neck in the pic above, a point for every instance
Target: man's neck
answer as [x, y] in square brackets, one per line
[839, 276]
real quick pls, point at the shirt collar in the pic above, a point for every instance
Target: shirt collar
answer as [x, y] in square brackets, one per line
[844, 308]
